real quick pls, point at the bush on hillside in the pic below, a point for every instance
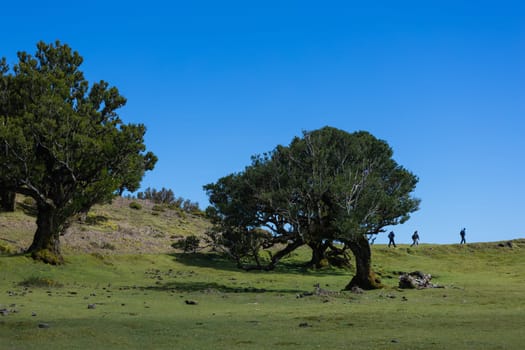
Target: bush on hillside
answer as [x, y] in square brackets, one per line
[4, 249]
[188, 244]
[163, 196]
[167, 197]
[158, 208]
[135, 205]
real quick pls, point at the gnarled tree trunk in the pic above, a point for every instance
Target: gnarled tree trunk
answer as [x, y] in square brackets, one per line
[290, 247]
[284, 252]
[319, 259]
[46, 242]
[365, 277]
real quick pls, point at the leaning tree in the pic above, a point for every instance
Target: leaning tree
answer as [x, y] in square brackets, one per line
[326, 187]
[63, 143]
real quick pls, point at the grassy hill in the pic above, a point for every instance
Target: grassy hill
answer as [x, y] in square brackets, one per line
[124, 287]
[114, 228]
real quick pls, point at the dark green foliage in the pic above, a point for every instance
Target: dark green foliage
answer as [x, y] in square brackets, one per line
[63, 143]
[188, 244]
[135, 205]
[166, 196]
[4, 249]
[241, 245]
[158, 208]
[163, 196]
[325, 187]
[189, 206]
[103, 245]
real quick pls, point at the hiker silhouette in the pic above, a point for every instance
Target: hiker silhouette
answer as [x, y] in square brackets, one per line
[462, 233]
[415, 239]
[391, 236]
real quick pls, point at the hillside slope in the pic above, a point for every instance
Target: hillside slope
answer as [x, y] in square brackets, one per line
[117, 228]
[109, 229]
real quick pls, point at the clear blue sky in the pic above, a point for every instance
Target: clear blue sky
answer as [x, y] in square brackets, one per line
[443, 82]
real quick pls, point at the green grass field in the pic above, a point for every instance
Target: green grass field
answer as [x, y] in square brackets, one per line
[140, 302]
[124, 287]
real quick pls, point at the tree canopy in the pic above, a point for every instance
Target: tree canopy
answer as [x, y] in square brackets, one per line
[326, 189]
[63, 142]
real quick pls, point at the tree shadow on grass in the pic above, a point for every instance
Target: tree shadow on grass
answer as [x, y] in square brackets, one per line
[210, 260]
[220, 262]
[211, 287]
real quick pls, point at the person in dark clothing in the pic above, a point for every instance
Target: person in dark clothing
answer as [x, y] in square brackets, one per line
[391, 236]
[462, 233]
[415, 239]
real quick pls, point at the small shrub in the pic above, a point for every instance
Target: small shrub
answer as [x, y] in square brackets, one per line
[135, 205]
[4, 249]
[107, 245]
[158, 208]
[188, 244]
[199, 213]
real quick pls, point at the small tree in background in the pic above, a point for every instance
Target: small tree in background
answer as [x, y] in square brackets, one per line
[188, 244]
[167, 197]
[163, 196]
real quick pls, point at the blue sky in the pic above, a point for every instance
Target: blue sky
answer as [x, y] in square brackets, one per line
[443, 82]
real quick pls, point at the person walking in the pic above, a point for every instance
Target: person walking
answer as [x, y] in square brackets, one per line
[462, 233]
[391, 236]
[415, 239]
